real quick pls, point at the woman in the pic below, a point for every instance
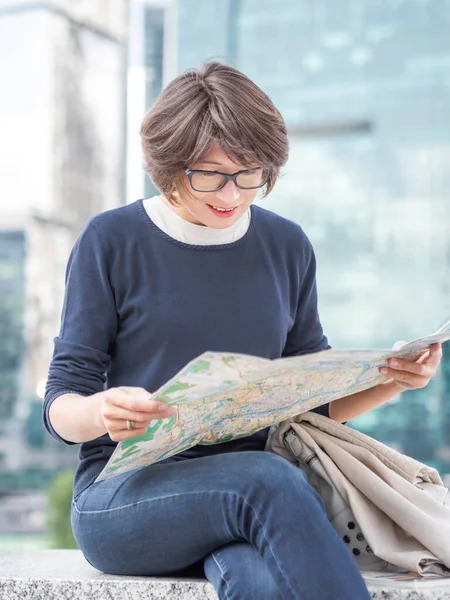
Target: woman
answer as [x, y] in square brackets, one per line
[154, 284]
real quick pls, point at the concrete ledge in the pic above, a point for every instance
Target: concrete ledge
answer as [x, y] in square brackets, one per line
[65, 575]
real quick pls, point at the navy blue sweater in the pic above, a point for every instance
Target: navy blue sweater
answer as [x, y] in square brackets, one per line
[139, 305]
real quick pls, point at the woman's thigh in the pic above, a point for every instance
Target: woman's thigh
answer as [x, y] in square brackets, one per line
[238, 572]
[165, 517]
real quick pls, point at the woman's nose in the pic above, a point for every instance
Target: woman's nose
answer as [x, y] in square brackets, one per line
[229, 193]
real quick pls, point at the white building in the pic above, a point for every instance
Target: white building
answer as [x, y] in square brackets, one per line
[62, 160]
[152, 64]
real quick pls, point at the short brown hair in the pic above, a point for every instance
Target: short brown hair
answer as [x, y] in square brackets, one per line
[215, 103]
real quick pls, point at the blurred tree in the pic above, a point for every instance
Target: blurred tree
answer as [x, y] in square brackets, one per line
[59, 496]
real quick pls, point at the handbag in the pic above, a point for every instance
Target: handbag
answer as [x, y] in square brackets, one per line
[337, 510]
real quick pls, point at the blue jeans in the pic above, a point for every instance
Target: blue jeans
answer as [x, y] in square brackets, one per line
[250, 518]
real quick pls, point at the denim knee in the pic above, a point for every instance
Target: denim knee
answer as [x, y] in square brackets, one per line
[273, 472]
[237, 572]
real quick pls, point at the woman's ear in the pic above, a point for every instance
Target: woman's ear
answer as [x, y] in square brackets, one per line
[173, 195]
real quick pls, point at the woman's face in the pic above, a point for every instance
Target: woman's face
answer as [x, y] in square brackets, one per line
[201, 208]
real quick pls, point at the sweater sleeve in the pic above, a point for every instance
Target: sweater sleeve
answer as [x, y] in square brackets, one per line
[306, 335]
[82, 350]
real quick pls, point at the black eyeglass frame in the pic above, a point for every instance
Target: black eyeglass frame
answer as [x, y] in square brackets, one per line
[190, 172]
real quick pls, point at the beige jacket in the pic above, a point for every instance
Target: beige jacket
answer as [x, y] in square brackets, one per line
[401, 505]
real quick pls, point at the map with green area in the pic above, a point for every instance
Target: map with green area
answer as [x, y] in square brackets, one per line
[220, 397]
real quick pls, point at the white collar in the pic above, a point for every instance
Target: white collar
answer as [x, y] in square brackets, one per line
[178, 228]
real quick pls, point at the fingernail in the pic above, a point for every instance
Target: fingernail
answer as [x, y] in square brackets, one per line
[163, 406]
[394, 363]
[383, 371]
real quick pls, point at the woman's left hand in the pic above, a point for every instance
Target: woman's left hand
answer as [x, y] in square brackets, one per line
[410, 375]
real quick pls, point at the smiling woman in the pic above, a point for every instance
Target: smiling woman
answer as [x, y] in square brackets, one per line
[152, 285]
[199, 134]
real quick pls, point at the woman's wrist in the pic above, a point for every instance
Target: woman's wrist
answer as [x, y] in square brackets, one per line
[355, 405]
[94, 407]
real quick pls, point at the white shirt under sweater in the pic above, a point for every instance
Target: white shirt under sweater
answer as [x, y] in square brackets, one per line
[183, 231]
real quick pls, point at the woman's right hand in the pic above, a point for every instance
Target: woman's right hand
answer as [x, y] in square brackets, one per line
[117, 405]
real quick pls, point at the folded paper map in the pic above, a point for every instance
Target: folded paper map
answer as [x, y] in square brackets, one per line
[220, 397]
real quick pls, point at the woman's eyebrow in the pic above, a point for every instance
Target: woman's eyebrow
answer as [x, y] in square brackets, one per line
[212, 162]
[209, 162]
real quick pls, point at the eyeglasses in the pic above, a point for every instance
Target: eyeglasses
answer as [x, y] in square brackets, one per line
[212, 181]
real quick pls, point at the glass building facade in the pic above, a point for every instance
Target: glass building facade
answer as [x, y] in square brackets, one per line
[365, 90]
[12, 309]
[153, 64]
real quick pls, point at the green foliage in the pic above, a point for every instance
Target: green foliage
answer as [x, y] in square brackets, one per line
[59, 496]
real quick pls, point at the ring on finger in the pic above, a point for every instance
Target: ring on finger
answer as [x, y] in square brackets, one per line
[131, 425]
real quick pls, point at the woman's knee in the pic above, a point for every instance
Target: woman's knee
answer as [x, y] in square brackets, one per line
[273, 472]
[237, 572]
